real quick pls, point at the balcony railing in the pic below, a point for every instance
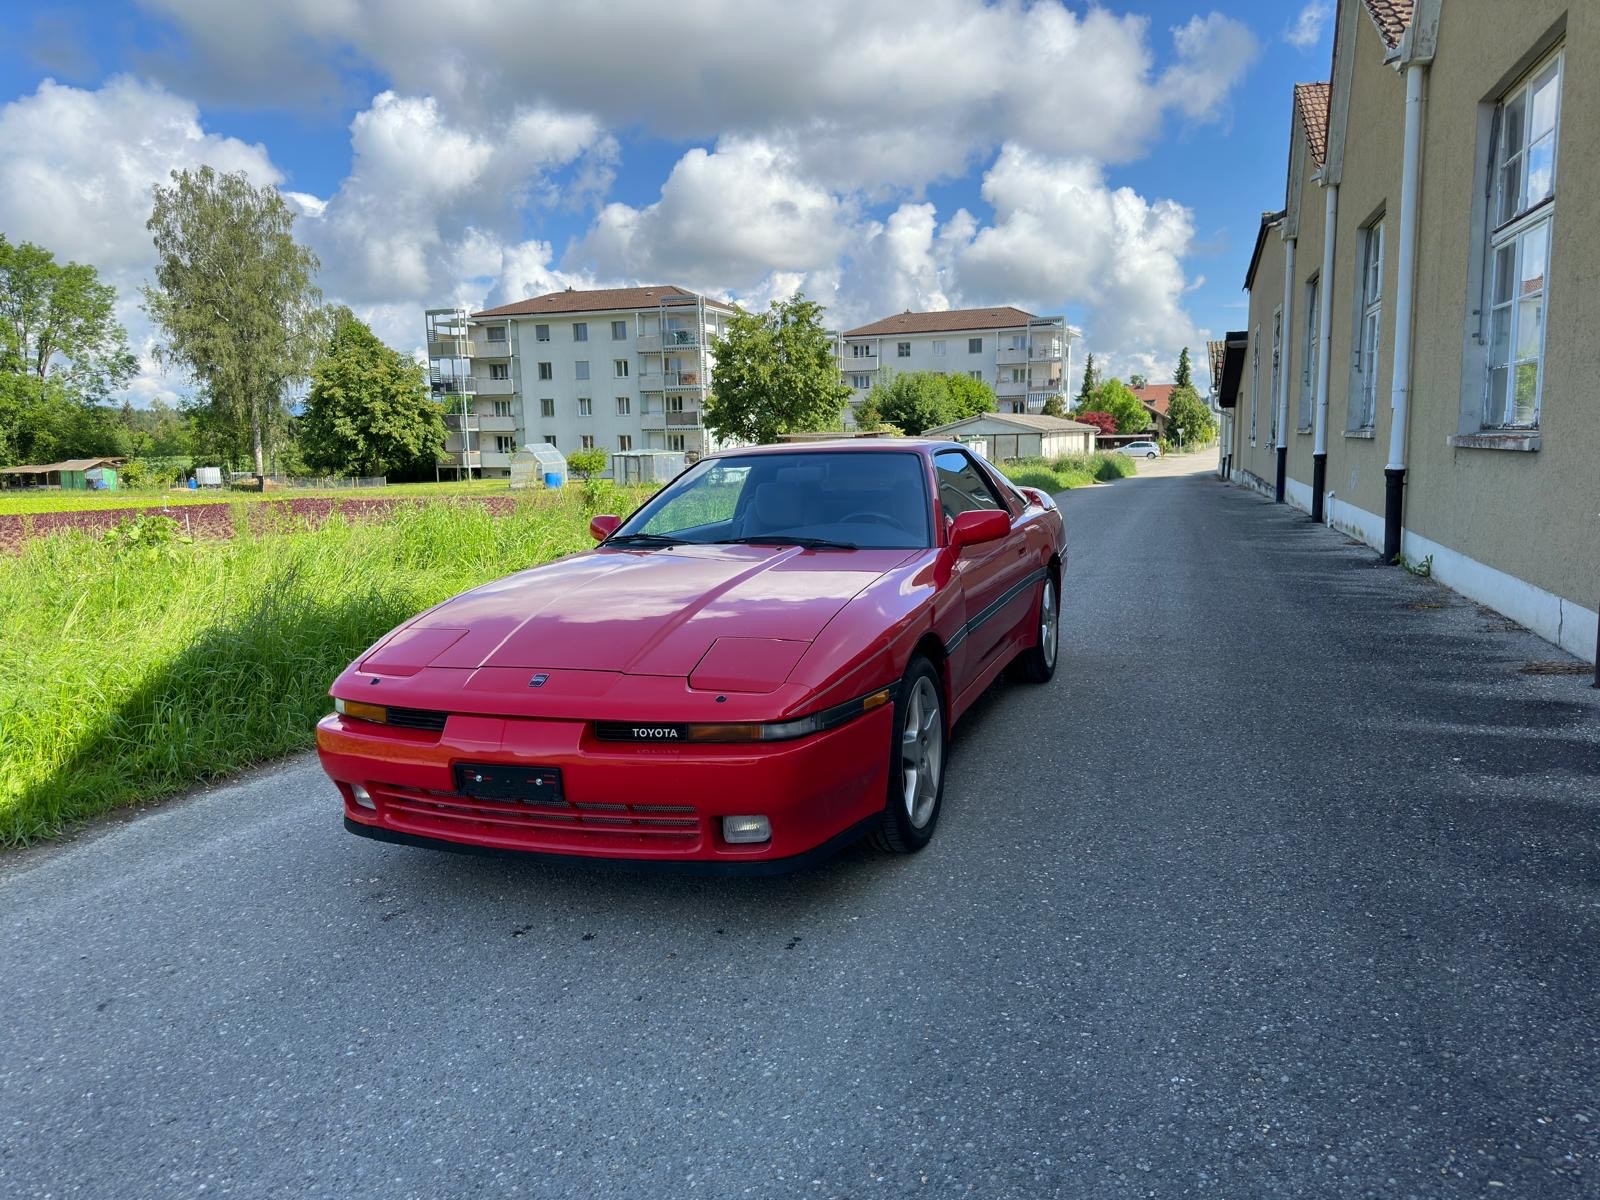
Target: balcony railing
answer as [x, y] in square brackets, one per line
[1011, 387]
[1050, 351]
[454, 385]
[647, 343]
[484, 348]
[495, 387]
[684, 379]
[672, 419]
[455, 347]
[652, 381]
[853, 362]
[494, 424]
[1011, 354]
[681, 337]
[1038, 399]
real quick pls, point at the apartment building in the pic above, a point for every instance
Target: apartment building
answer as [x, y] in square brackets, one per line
[1026, 359]
[618, 368]
[1418, 369]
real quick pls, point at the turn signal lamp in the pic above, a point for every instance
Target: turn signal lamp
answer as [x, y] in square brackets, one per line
[363, 712]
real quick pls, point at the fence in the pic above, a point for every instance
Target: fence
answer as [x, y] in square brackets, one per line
[311, 481]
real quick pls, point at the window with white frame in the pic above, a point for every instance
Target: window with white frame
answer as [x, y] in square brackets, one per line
[547, 407]
[496, 333]
[975, 375]
[504, 443]
[580, 331]
[861, 382]
[541, 333]
[619, 367]
[499, 371]
[1255, 381]
[502, 408]
[585, 406]
[547, 370]
[1310, 353]
[675, 441]
[1277, 377]
[624, 405]
[902, 349]
[549, 439]
[581, 369]
[1521, 211]
[624, 442]
[1369, 329]
[938, 347]
[860, 349]
[619, 331]
[975, 345]
[586, 441]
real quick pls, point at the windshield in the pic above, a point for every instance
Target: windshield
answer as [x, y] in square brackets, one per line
[846, 499]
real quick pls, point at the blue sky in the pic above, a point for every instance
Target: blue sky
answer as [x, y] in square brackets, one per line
[1106, 161]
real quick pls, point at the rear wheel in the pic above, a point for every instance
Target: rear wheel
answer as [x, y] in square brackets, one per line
[916, 762]
[1152, 454]
[1037, 663]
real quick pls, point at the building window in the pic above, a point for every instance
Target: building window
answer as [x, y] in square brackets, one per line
[975, 345]
[541, 333]
[978, 375]
[624, 405]
[1310, 354]
[620, 366]
[586, 441]
[624, 442]
[499, 371]
[619, 331]
[1522, 209]
[1369, 329]
[580, 331]
[1255, 381]
[504, 443]
[585, 406]
[581, 368]
[502, 408]
[861, 350]
[675, 441]
[938, 347]
[861, 382]
[1019, 374]
[1277, 374]
[549, 439]
[495, 333]
[547, 407]
[902, 349]
[546, 371]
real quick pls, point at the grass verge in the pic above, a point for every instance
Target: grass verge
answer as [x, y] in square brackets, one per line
[1068, 471]
[135, 666]
[47, 501]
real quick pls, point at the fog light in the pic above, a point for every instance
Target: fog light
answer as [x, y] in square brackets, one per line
[738, 830]
[361, 797]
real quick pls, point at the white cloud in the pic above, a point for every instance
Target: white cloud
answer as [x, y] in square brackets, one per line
[1306, 30]
[1213, 52]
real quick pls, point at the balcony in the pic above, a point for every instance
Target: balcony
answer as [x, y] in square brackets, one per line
[673, 419]
[483, 348]
[494, 424]
[454, 385]
[1011, 354]
[1011, 387]
[678, 380]
[455, 347]
[492, 458]
[648, 343]
[1047, 352]
[496, 387]
[849, 363]
[652, 381]
[1037, 400]
[681, 337]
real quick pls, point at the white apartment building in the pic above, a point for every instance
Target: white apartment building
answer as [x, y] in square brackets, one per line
[1026, 359]
[618, 368]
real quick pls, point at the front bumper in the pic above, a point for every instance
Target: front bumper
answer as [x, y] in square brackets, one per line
[622, 801]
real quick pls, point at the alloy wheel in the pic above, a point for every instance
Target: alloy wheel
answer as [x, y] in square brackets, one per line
[921, 752]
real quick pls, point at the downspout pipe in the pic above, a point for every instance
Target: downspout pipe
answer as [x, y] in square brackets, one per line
[1319, 451]
[1394, 474]
[1284, 343]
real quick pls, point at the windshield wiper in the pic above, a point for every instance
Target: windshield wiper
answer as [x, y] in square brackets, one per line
[644, 539]
[784, 539]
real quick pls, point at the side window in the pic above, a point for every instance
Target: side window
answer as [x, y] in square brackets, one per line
[962, 486]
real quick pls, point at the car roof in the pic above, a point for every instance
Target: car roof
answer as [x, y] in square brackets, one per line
[844, 445]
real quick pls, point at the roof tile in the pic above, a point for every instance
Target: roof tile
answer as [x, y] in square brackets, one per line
[951, 320]
[1311, 102]
[1392, 17]
[593, 300]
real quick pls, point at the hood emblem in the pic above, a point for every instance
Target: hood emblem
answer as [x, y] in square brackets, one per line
[538, 680]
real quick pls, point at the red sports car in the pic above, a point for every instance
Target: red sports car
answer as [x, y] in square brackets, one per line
[760, 665]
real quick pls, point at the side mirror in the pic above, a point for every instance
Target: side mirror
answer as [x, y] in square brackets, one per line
[603, 526]
[977, 526]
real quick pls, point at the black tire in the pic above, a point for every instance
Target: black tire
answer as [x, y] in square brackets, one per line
[1037, 664]
[1150, 456]
[908, 824]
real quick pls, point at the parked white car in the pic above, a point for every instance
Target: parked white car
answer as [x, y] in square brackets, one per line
[1141, 450]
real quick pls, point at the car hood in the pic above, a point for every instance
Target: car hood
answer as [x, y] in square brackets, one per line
[650, 612]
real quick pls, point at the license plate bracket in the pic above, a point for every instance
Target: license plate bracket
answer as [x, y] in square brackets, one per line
[499, 781]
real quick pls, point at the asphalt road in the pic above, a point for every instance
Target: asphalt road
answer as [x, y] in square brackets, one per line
[1289, 885]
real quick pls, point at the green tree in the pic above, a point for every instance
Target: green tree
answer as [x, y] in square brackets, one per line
[1137, 381]
[61, 353]
[1113, 397]
[585, 463]
[368, 412]
[1055, 406]
[969, 397]
[777, 372]
[1189, 419]
[910, 401]
[235, 299]
[1091, 382]
[1184, 377]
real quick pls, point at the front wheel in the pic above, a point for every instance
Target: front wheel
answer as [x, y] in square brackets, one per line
[1037, 664]
[916, 762]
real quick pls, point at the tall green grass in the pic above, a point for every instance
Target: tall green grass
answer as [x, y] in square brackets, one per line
[134, 667]
[1068, 471]
[43, 500]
